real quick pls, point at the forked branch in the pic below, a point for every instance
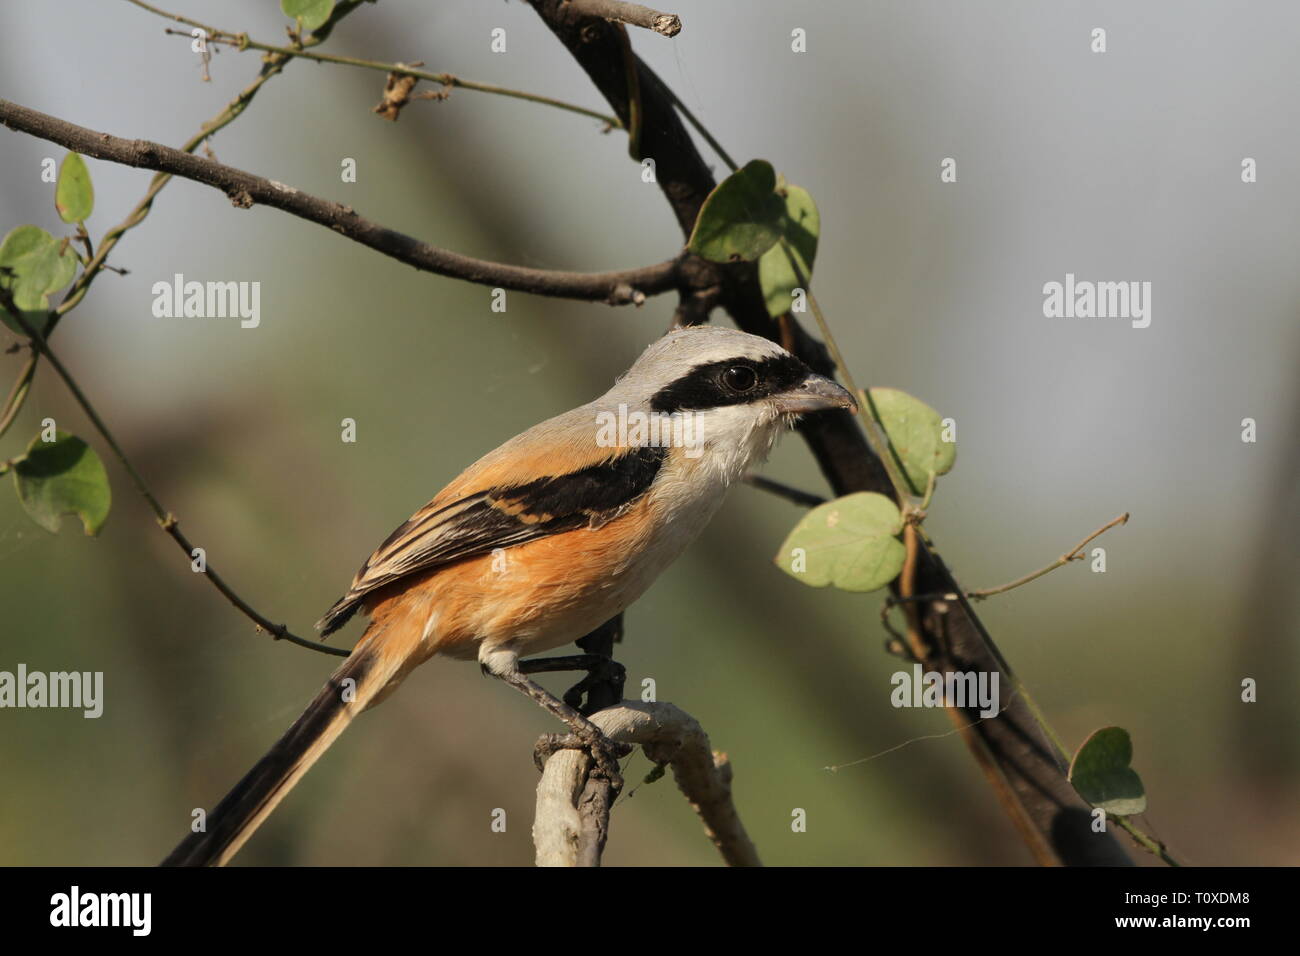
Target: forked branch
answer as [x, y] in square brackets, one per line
[670, 737]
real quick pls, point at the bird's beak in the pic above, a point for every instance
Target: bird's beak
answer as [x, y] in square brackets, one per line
[814, 394]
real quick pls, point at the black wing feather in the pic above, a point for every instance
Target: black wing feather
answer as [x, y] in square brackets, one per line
[502, 518]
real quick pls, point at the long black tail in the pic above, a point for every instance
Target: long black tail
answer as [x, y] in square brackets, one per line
[349, 690]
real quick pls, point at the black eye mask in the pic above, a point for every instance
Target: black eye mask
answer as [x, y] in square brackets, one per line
[705, 386]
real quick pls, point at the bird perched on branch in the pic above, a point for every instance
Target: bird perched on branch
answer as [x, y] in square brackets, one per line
[542, 541]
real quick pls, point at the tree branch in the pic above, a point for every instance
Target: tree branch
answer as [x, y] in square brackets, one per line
[670, 736]
[1026, 770]
[633, 14]
[245, 190]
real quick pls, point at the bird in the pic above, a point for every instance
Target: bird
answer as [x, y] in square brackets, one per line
[542, 541]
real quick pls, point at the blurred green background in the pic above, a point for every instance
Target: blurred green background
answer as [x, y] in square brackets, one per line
[1122, 166]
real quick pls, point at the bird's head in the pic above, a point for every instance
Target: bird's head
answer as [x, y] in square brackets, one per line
[733, 392]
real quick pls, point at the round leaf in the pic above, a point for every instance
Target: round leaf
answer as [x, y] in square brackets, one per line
[741, 218]
[61, 477]
[1102, 775]
[916, 432]
[312, 13]
[74, 196]
[32, 265]
[45, 269]
[21, 242]
[800, 227]
[850, 542]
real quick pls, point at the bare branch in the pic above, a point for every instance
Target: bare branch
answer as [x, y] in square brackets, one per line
[633, 14]
[557, 826]
[1074, 554]
[669, 736]
[245, 190]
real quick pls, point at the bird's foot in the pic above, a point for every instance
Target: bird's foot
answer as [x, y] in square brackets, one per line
[605, 753]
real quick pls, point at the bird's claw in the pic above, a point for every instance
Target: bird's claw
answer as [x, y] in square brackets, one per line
[605, 752]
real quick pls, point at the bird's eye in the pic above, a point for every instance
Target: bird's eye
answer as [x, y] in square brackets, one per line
[740, 378]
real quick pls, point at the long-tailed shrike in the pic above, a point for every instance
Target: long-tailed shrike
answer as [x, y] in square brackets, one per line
[542, 541]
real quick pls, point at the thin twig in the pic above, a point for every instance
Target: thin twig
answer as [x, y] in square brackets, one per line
[701, 129]
[242, 41]
[916, 642]
[18, 394]
[245, 190]
[1148, 843]
[165, 518]
[271, 66]
[633, 14]
[873, 425]
[634, 117]
[798, 496]
[1071, 555]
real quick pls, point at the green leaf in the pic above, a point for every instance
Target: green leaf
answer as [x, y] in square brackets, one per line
[74, 196]
[37, 264]
[61, 477]
[312, 13]
[1101, 774]
[741, 218]
[800, 227]
[916, 432]
[851, 542]
[34, 257]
